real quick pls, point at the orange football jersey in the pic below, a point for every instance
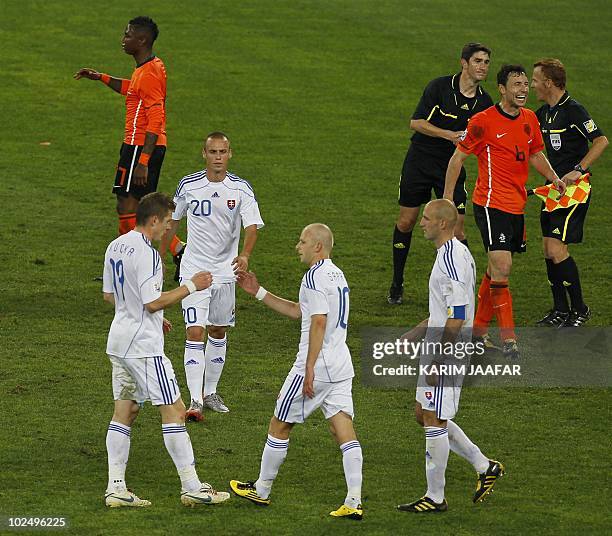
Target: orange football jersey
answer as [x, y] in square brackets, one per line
[503, 145]
[145, 103]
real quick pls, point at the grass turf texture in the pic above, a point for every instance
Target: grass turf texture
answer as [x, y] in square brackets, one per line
[315, 97]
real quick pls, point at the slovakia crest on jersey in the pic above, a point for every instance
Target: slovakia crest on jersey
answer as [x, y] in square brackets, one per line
[428, 395]
[231, 204]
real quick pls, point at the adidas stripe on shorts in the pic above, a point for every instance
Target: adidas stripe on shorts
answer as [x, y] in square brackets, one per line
[145, 378]
[293, 407]
[443, 398]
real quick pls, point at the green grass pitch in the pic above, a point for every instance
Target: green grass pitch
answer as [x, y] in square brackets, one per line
[316, 98]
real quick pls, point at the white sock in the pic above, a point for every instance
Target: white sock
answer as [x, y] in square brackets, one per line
[462, 445]
[215, 359]
[273, 456]
[178, 445]
[118, 450]
[352, 460]
[194, 368]
[436, 458]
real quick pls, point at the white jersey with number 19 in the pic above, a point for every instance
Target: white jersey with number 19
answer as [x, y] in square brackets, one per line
[133, 273]
[324, 291]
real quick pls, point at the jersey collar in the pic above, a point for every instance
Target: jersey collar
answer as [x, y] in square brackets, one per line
[145, 61]
[456, 89]
[564, 98]
[507, 116]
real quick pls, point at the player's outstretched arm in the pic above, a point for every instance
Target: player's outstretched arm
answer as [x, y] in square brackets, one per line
[247, 281]
[119, 85]
[199, 281]
[452, 173]
[541, 164]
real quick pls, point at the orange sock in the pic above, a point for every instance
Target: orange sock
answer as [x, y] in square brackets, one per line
[484, 313]
[502, 306]
[126, 223]
[176, 245]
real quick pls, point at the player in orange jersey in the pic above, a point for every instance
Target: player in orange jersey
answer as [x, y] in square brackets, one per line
[506, 138]
[144, 144]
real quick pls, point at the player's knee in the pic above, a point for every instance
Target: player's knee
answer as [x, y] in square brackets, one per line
[173, 413]
[195, 333]
[179, 409]
[279, 429]
[406, 224]
[126, 412]
[430, 419]
[216, 332]
[133, 413]
[500, 269]
[556, 251]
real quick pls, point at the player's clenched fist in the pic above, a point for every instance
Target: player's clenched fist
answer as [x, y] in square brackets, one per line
[86, 72]
[202, 280]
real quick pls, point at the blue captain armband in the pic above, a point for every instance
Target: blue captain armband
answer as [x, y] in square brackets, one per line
[457, 311]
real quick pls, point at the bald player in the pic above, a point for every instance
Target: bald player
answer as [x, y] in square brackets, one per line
[322, 374]
[451, 313]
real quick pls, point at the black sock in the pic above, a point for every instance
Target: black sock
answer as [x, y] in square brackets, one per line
[465, 243]
[401, 247]
[567, 271]
[556, 287]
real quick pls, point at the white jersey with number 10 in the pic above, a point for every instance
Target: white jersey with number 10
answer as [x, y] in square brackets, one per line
[324, 291]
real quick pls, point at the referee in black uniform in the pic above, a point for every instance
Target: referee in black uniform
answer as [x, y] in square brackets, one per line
[567, 129]
[439, 122]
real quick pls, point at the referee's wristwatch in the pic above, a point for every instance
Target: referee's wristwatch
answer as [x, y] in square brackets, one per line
[579, 168]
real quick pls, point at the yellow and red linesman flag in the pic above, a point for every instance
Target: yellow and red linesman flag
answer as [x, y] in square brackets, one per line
[575, 194]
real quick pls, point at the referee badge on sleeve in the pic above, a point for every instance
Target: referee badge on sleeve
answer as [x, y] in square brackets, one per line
[590, 126]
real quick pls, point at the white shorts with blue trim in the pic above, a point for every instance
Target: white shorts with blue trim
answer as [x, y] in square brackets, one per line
[145, 378]
[214, 306]
[443, 398]
[293, 407]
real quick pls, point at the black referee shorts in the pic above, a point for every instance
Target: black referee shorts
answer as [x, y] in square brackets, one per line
[501, 231]
[565, 224]
[128, 160]
[421, 174]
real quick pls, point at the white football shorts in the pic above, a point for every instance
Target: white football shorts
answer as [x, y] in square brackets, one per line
[442, 398]
[332, 398]
[214, 306]
[145, 378]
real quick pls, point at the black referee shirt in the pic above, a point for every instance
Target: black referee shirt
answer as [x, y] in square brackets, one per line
[567, 129]
[444, 106]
